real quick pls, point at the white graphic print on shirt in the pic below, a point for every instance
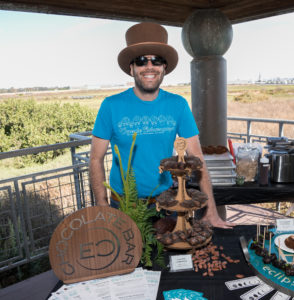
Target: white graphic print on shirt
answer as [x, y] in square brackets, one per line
[147, 124]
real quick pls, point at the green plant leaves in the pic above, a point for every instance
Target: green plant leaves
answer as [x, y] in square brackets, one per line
[25, 124]
[139, 210]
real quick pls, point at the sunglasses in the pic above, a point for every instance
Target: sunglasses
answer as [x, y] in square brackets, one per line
[141, 61]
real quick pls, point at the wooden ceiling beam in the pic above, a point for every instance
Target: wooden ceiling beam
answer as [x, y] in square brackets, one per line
[167, 12]
[248, 10]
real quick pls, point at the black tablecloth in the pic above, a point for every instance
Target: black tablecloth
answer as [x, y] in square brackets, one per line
[213, 288]
[251, 192]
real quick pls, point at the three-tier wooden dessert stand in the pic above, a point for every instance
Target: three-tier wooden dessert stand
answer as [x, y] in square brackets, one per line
[183, 213]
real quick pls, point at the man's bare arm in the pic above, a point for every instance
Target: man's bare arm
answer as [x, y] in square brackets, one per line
[194, 148]
[97, 172]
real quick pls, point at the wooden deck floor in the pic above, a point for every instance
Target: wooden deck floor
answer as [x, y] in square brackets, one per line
[252, 214]
[39, 287]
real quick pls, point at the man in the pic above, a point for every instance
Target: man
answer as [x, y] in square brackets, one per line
[155, 115]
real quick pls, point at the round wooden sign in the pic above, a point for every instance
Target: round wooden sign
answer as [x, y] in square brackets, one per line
[95, 242]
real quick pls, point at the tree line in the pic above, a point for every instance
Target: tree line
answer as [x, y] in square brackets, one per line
[33, 89]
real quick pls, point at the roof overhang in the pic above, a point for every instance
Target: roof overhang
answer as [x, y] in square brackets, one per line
[167, 12]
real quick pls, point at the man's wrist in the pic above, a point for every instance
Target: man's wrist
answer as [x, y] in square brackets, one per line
[102, 202]
[211, 210]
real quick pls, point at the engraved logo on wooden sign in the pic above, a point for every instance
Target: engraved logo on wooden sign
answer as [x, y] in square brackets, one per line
[95, 242]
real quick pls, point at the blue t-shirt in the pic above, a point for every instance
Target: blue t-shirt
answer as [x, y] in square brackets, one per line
[157, 123]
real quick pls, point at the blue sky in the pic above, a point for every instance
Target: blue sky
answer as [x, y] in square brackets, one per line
[51, 50]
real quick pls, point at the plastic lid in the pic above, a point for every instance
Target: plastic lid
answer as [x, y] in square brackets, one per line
[264, 160]
[247, 147]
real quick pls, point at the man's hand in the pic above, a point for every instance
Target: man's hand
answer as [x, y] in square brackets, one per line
[211, 216]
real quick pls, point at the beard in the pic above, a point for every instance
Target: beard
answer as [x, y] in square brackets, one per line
[144, 86]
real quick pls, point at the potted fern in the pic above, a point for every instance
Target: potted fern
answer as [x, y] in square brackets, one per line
[138, 210]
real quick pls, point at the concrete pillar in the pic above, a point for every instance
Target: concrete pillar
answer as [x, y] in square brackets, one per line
[207, 35]
[209, 99]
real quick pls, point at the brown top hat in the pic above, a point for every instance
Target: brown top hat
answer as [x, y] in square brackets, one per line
[147, 39]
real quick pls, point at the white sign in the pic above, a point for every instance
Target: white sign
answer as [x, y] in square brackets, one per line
[180, 262]
[285, 224]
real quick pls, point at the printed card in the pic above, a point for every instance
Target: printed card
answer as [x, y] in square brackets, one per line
[242, 283]
[113, 288]
[280, 296]
[285, 225]
[257, 293]
[180, 262]
[183, 294]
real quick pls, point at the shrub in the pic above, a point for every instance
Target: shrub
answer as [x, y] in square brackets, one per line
[249, 97]
[25, 124]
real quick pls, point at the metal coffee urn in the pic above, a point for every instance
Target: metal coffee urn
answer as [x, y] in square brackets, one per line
[281, 156]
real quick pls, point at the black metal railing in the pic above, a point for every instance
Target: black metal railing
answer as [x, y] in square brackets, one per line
[31, 206]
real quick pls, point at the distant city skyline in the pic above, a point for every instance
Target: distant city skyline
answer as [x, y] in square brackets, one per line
[50, 50]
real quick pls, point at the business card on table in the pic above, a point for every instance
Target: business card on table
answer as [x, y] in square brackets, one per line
[182, 294]
[180, 262]
[257, 293]
[243, 282]
[280, 296]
